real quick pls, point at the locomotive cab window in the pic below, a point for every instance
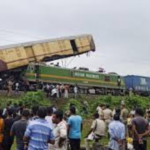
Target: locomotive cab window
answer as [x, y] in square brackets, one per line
[107, 78]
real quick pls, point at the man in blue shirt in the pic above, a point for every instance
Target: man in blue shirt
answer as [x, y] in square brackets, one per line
[74, 129]
[39, 133]
[117, 134]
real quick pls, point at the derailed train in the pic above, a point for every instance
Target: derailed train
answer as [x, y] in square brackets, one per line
[88, 81]
[15, 58]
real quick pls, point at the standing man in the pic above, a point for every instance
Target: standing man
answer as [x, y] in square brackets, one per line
[49, 117]
[18, 129]
[97, 130]
[99, 109]
[54, 93]
[74, 129]
[38, 133]
[117, 134]
[10, 91]
[60, 132]
[140, 130]
[34, 113]
[62, 90]
[75, 89]
[66, 91]
[58, 90]
[17, 87]
[47, 88]
[124, 113]
[107, 112]
[8, 122]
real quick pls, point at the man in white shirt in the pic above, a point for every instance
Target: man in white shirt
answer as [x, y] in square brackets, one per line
[60, 131]
[17, 87]
[54, 92]
[75, 91]
[49, 117]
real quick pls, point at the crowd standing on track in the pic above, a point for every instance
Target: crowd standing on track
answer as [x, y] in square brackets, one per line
[55, 91]
[50, 129]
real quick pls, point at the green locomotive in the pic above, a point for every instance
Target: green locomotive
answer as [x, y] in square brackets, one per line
[87, 80]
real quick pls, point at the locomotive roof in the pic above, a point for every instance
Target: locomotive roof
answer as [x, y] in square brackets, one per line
[41, 41]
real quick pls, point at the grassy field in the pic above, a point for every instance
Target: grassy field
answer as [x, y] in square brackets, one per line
[36, 98]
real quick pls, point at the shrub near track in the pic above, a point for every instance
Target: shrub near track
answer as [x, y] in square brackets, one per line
[29, 99]
[38, 98]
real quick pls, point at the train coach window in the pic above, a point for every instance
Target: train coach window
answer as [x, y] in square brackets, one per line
[74, 46]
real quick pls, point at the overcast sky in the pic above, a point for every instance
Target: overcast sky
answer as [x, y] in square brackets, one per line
[121, 29]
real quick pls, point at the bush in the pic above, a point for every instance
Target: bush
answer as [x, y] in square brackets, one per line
[34, 98]
[137, 101]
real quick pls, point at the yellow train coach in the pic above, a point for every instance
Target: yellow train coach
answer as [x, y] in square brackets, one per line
[20, 55]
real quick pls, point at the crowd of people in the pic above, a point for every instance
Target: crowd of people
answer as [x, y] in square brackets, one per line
[41, 128]
[126, 130]
[55, 91]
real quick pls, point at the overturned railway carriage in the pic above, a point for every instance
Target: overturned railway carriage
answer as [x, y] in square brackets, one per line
[88, 81]
[14, 57]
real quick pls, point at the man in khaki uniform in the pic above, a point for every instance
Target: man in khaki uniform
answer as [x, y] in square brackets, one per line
[99, 110]
[107, 112]
[124, 114]
[97, 130]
